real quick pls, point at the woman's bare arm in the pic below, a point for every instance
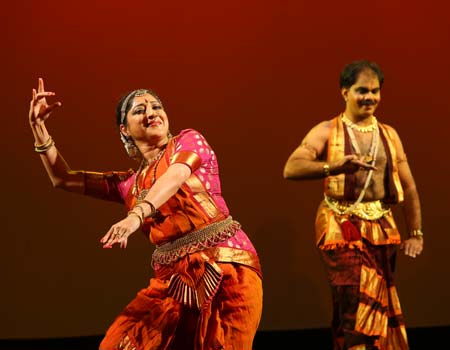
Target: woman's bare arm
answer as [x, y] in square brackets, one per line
[59, 172]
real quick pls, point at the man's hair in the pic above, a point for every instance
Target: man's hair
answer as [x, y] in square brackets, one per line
[351, 71]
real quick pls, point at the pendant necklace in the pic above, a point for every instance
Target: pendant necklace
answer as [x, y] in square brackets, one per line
[369, 158]
[142, 171]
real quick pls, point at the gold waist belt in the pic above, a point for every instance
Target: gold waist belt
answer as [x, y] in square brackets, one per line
[372, 210]
[195, 241]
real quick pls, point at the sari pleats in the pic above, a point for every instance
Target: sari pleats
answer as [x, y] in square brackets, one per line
[367, 312]
[154, 320]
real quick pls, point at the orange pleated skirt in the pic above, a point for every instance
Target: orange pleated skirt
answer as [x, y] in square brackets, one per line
[155, 321]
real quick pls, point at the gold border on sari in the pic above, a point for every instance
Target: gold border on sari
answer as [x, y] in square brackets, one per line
[191, 159]
[329, 232]
[201, 196]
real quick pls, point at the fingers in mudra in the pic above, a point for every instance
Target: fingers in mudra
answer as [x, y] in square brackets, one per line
[115, 235]
[40, 109]
[109, 239]
[41, 97]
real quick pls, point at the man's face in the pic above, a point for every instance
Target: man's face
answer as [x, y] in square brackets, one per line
[363, 97]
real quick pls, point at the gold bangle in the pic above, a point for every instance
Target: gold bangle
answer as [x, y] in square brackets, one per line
[326, 169]
[138, 216]
[152, 207]
[141, 209]
[45, 146]
[416, 233]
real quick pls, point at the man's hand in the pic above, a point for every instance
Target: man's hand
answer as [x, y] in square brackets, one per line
[349, 164]
[413, 246]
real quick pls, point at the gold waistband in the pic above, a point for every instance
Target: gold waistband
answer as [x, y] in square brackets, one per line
[205, 237]
[371, 210]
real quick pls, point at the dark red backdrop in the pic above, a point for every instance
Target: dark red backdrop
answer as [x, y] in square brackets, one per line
[253, 76]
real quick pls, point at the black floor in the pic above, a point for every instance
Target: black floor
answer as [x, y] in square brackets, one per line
[419, 339]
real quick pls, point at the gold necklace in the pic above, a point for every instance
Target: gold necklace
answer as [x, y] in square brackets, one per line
[352, 125]
[372, 154]
[370, 158]
[154, 161]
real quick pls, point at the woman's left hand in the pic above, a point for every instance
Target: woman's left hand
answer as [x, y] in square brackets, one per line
[413, 246]
[119, 232]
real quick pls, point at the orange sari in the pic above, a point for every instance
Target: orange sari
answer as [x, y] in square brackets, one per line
[207, 291]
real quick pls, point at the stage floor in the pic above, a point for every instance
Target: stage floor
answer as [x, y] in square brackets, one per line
[422, 338]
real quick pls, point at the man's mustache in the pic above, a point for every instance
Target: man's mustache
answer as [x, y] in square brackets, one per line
[367, 103]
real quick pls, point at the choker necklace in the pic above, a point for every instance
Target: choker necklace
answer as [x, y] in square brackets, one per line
[368, 128]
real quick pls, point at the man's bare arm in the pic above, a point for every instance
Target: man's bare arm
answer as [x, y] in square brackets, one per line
[307, 160]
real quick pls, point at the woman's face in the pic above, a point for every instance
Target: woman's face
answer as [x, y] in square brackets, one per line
[146, 120]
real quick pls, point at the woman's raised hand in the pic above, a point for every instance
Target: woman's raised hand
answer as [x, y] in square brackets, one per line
[40, 110]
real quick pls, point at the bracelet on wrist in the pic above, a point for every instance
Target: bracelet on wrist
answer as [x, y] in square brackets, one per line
[150, 204]
[326, 169]
[45, 146]
[141, 219]
[416, 233]
[141, 209]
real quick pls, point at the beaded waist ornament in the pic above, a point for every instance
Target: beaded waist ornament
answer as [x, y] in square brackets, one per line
[195, 241]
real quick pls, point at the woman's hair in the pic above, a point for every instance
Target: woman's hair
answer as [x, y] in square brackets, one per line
[351, 71]
[126, 102]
